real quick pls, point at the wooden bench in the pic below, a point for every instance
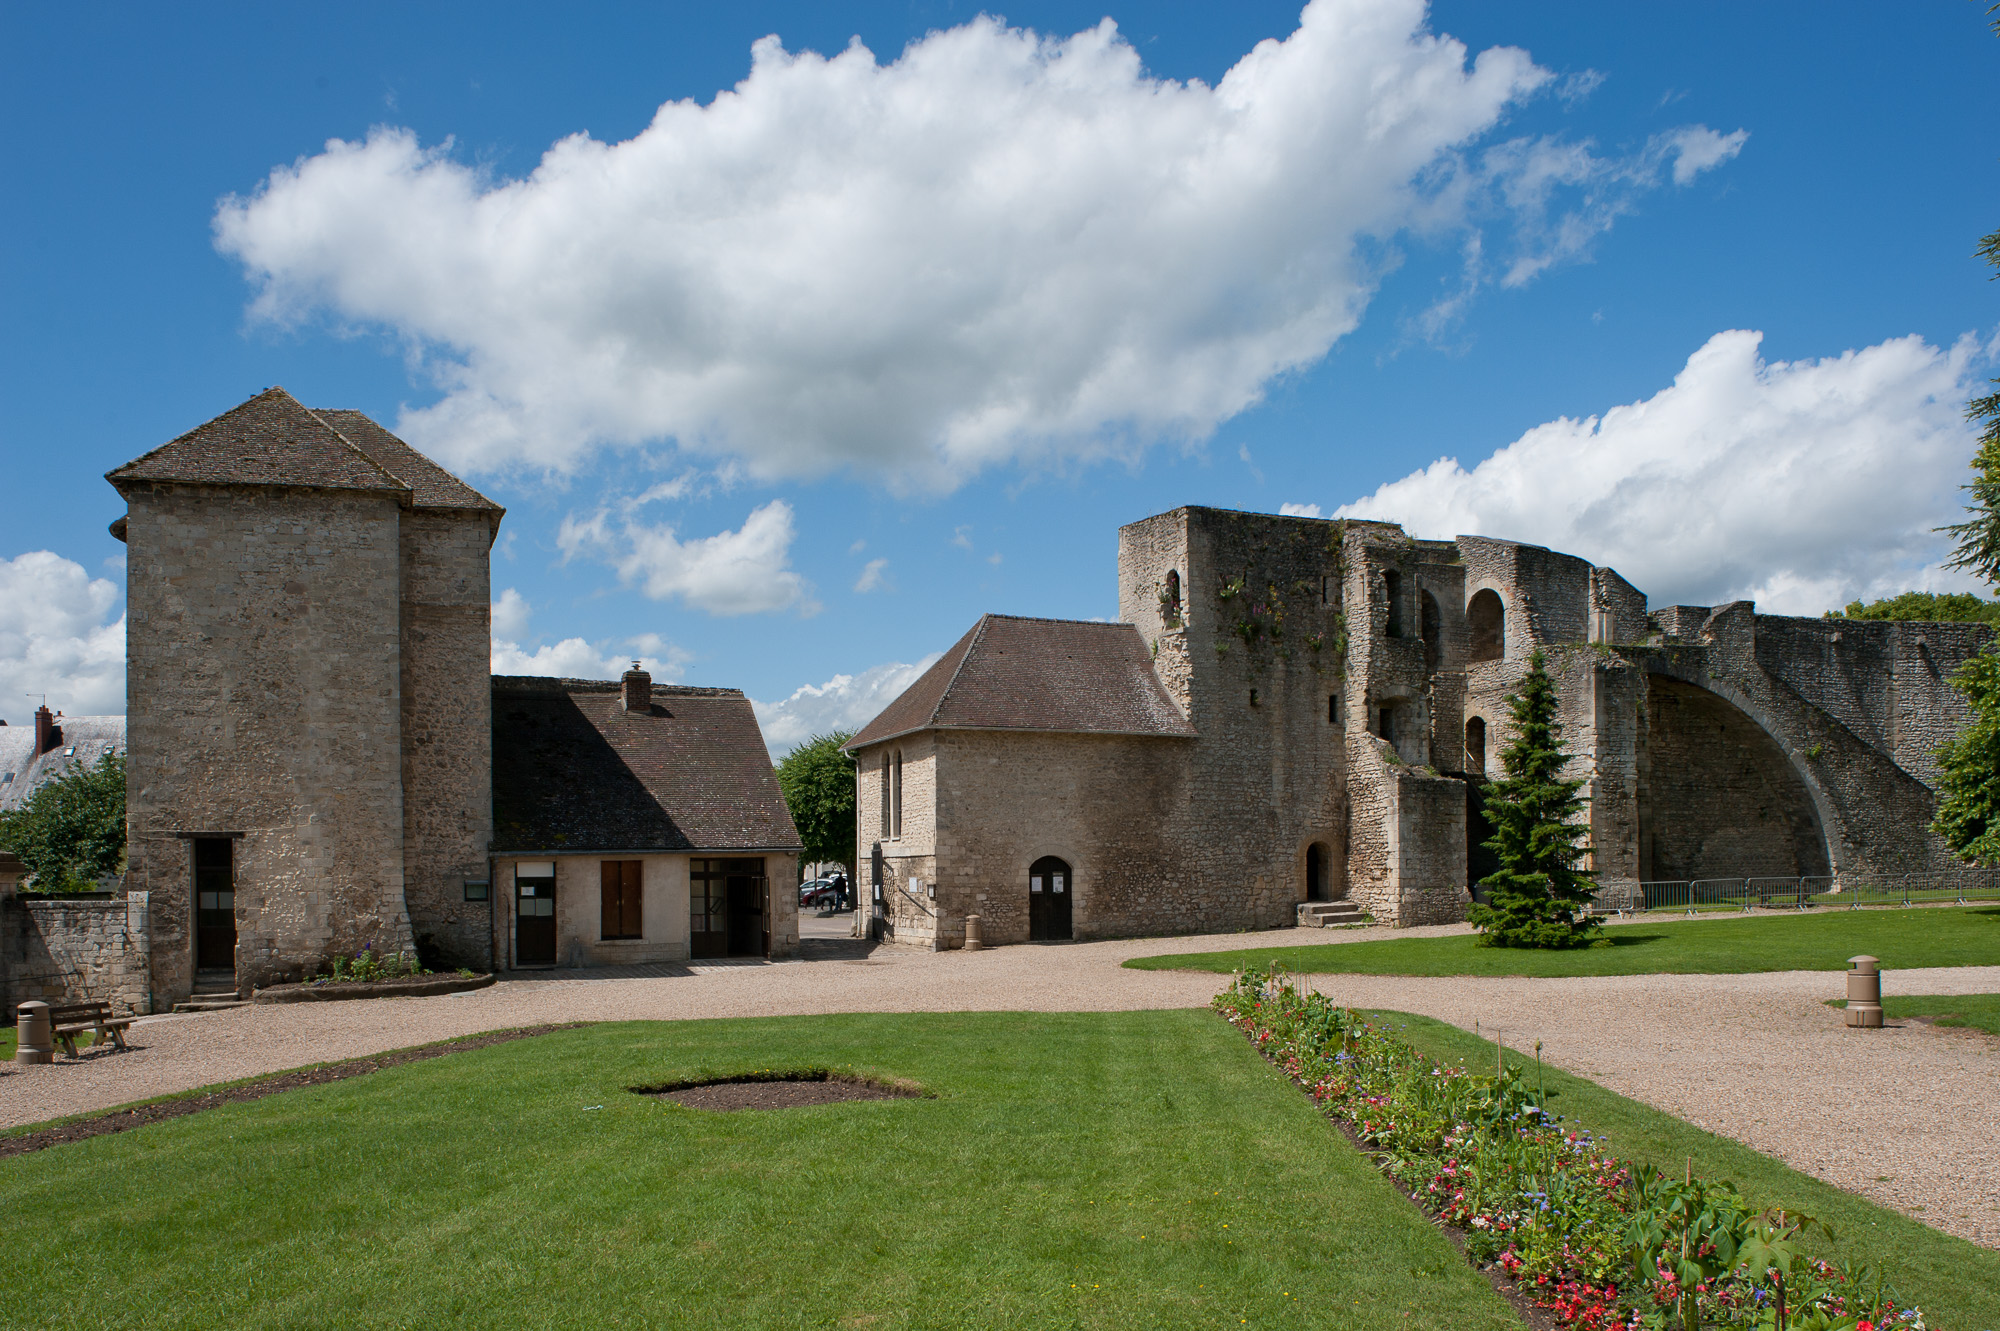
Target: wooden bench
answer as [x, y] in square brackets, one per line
[74, 1019]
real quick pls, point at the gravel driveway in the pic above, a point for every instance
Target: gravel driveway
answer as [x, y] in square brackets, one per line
[1755, 1057]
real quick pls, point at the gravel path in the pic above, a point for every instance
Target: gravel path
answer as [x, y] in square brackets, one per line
[1755, 1057]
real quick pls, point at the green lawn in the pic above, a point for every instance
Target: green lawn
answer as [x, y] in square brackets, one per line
[10, 1041]
[1903, 939]
[1074, 1170]
[1979, 1010]
[1956, 1283]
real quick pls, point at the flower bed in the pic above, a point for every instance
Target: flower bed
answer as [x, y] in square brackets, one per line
[1595, 1242]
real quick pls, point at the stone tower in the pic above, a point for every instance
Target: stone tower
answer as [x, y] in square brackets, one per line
[309, 765]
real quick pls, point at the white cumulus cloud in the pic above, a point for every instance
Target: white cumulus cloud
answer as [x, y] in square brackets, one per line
[58, 637]
[1000, 246]
[1800, 485]
[575, 658]
[1299, 510]
[510, 615]
[741, 572]
[845, 702]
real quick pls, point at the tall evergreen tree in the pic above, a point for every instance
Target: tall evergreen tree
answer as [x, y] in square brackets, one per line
[1538, 896]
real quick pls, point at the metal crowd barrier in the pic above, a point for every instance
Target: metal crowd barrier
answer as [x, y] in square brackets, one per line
[1853, 891]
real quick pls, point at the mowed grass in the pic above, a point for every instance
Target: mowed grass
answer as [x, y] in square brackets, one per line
[1980, 1011]
[1957, 1283]
[1902, 939]
[1073, 1170]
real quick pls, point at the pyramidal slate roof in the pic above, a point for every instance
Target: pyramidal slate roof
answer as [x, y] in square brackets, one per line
[275, 440]
[1011, 673]
[574, 771]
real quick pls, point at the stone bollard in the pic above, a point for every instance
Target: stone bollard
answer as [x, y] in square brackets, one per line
[37, 1044]
[974, 937]
[1864, 993]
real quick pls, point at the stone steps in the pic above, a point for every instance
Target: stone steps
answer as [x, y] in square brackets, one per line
[1330, 914]
[214, 991]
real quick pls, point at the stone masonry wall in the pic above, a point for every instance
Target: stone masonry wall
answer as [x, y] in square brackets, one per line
[264, 699]
[75, 950]
[447, 770]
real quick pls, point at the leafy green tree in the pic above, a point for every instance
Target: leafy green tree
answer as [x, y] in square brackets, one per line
[818, 781]
[1538, 897]
[1936, 607]
[1968, 815]
[72, 829]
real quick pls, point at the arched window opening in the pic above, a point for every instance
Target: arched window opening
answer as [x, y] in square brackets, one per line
[1432, 627]
[1486, 623]
[1170, 599]
[1475, 745]
[896, 798]
[883, 800]
[1392, 589]
[1050, 889]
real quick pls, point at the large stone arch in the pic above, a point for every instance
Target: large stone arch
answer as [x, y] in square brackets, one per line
[1721, 796]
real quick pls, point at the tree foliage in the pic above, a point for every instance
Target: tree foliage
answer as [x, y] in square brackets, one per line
[1537, 898]
[1934, 607]
[1968, 815]
[72, 829]
[818, 781]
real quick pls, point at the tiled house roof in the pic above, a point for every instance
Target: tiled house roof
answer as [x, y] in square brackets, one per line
[84, 740]
[273, 440]
[574, 771]
[1064, 675]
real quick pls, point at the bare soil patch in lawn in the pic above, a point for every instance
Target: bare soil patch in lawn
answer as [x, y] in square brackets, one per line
[781, 1091]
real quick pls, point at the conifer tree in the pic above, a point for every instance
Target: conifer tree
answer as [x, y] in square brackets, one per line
[1537, 898]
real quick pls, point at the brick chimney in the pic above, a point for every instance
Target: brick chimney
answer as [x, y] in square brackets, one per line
[47, 733]
[638, 690]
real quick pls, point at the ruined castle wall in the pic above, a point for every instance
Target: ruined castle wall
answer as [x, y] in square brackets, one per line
[264, 699]
[447, 769]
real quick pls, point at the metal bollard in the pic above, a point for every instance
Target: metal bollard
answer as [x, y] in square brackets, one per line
[974, 933]
[37, 1044]
[1864, 993]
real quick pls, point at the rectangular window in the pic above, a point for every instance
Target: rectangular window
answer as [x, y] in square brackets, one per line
[896, 799]
[476, 891]
[885, 796]
[621, 915]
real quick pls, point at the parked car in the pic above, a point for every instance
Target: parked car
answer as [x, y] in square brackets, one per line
[820, 894]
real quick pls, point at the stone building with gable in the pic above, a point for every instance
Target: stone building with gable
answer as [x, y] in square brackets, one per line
[1334, 691]
[313, 738]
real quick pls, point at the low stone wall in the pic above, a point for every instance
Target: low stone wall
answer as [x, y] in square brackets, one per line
[74, 949]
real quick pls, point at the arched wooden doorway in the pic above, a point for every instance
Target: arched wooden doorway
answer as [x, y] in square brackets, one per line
[1050, 889]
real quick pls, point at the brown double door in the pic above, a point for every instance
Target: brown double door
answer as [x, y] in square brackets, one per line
[214, 904]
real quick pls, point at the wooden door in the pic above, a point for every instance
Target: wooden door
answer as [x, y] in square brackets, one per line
[708, 910]
[1049, 894]
[534, 920]
[214, 904]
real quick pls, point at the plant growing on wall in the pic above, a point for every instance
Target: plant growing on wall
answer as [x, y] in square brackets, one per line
[1537, 897]
[817, 779]
[72, 829]
[1968, 811]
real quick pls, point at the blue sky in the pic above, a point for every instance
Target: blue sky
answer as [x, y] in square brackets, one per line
[953, 315]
